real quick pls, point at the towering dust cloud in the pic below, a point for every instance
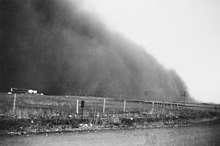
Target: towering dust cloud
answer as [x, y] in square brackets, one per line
[57, 48]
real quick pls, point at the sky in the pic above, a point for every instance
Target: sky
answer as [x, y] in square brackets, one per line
[183, 35]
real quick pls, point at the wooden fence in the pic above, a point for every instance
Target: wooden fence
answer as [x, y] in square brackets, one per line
[24, 105]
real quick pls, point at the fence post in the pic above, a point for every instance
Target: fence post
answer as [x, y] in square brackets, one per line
[14, 103]
[152, 105]
[77, 106]
[140, 106]
[124, 105]
[104, 106]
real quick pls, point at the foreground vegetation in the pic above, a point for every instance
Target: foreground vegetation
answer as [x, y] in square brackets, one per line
[26, 113]
[12, 125]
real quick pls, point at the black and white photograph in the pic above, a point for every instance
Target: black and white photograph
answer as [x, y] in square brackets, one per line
[109, 72]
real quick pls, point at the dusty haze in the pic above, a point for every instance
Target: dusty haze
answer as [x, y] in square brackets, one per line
[57, 48]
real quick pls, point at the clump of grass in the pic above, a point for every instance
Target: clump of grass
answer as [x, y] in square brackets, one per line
[54, 122]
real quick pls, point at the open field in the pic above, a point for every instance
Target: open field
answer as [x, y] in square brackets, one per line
[19, 104]
[30, 113]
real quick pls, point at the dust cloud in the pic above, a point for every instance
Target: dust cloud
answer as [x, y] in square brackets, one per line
[56, 48]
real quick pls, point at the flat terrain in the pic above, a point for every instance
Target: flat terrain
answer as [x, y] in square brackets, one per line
[204, 135]
[68, 104]
[23, 114]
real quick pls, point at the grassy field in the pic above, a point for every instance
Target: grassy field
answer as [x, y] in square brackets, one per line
[41, 113]
[44, 104]
[68, 104]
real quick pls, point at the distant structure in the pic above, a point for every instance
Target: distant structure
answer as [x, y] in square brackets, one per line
[23, 91]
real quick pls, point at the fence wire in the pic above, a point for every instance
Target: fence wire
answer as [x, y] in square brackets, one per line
[42, 105]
